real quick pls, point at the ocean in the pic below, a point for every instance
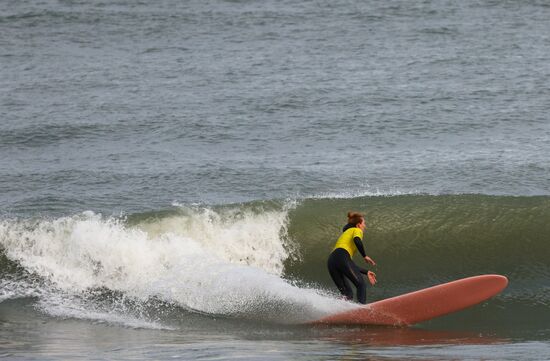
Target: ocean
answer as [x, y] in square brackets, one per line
[174, 174]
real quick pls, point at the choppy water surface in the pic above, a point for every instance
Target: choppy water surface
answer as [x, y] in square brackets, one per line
[173, 174]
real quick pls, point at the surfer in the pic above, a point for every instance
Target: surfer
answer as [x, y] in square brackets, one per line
[340, 263]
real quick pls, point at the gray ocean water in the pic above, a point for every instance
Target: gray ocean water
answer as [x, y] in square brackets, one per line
[123, 122]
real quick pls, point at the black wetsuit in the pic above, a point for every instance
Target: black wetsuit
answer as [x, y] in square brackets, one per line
[346, 227]
[341, 267]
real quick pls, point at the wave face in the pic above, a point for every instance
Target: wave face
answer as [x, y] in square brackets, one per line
[421, 240]
[265, 261]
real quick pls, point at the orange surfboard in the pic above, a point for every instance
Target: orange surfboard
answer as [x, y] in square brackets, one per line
[422, 305]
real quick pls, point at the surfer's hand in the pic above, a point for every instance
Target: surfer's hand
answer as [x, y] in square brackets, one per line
[372, 277]
[370, 261]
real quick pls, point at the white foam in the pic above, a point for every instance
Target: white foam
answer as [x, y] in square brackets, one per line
[67, 306]
[227, 263]
[234, 235]
[17, 288]
[365, 193]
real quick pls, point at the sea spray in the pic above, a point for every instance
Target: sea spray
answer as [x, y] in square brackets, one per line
[239, 235]
[76, 255]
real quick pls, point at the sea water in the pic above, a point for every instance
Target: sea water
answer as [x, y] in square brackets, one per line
[174, 174]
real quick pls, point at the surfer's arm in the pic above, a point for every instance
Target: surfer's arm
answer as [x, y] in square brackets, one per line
[370, 275]
[359, 245]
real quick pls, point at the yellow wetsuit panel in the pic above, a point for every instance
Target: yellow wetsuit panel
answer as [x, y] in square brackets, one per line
[346, 240]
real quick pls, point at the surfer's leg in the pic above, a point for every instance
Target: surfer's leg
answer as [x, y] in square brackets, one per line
[342, 284]
[335, 264]
[348, 291]
[353, 273]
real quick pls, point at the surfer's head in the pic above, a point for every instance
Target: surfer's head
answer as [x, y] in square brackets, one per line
[356, 219]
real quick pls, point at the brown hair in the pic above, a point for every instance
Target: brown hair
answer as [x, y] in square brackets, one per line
[354, 218]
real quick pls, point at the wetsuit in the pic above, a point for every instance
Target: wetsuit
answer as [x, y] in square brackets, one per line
[342, 268]
[347, 226]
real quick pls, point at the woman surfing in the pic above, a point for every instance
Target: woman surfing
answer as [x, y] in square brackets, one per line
[340, 264]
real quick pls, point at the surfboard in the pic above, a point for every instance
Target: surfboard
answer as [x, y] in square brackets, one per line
[422, 305]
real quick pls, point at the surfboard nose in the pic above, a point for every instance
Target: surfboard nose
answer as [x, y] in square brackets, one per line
[499, 281]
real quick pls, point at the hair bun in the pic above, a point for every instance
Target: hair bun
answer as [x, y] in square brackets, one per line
[354, 217]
